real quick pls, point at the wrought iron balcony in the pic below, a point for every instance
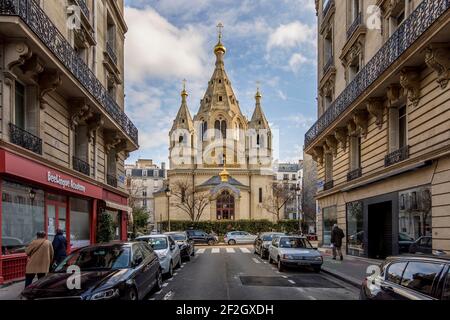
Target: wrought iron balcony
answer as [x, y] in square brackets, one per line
[81, 166]
[354, 25]
[396, 156]
[425, 15]
[328, 65]
[354, 174]
[37, 20]
[328, 185]
[327, 7]
[83, 7]
[111, 180]
[111, 52]
[25, 139]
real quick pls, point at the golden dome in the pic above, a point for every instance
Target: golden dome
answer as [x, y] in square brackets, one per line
[220, 48]
[224, 175]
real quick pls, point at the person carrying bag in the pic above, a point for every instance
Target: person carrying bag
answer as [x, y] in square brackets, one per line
[40, 258]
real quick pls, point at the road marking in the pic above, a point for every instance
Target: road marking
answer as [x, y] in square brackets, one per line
[152, 299]
[285, 277]
[301, 289]
[175, 273]
[215, 250]
[291, 281]
[245, 250]
[170, 279]
[168, 295]
[264, 262]
[230, 250]
[256, 260]
[311, 298]
[165, 285]
[200, 251]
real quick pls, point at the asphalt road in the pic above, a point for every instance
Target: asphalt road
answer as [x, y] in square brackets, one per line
[236, 273]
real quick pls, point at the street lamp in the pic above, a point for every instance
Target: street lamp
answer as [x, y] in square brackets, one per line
[299, 217]
[168, 205]
[32, 195]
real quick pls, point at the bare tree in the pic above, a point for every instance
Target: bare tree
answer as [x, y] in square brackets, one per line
[282, 193]
[135, 190]
[189, 200]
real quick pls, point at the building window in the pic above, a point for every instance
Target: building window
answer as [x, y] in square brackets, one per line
[220, 127]
[285, 176]
[354, 10]
[21, 217]
[220, 98]
[260, 195]
[294, 177]
[398, 128]
[329, 219]
[81, 143]
[19, 109]
[355, 229]
[328, 167]
[144, 203]
[402, 127]
[354, 68]
[155, 173]
[355, 153]
[144, 173]
[144, 193]
[204, 129]
[328, 49]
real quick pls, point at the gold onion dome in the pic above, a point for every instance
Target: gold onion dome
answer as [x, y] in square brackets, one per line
[220, 48]
[224, 175]
[184, 93]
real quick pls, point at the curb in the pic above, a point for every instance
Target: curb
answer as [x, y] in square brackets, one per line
[350, 280]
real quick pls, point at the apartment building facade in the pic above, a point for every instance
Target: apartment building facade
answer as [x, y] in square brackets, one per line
[144, 178]
[64, 134]
[382, 138]
[292, 175]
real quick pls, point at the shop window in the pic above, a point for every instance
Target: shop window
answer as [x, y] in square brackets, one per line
[22, 216]
[117, 223]
[414, 215]
[329, 219]
[79, 222]
[355, 229]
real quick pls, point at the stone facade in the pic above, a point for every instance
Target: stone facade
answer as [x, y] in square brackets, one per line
[382, 140]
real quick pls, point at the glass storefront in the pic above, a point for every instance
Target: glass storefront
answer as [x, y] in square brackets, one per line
[79, 222]
[22, 216]
[329, 219]
[355, 229]
[414, 220]
[117, 223]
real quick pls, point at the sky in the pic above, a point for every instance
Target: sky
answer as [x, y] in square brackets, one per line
[272, 42]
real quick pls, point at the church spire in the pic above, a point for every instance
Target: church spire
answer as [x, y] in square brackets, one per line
[219, 49]
[183, 119]
[259, 120]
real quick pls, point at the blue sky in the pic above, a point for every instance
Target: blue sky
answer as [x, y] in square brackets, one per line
[270, 41]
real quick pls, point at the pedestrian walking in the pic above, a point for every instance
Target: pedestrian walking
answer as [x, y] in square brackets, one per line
[336, 240]
[59, 247]
[40, 257]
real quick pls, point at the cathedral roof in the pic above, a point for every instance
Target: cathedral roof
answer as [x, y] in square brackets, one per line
[216, 180]
[259, 119]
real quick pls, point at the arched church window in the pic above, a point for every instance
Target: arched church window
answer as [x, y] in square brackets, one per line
[223, 127]
[257, 140]
[180, 139]
[204, 128]
[225, 207]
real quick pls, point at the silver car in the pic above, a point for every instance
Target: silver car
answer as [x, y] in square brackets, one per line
[235, 237]
[294, 251]
[167, 250]
[263, 241]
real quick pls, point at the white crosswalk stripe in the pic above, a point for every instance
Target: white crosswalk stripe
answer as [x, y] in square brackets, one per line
[256, 260]
[215, 250]
[200, 251]
[230, 250]
[245, 250]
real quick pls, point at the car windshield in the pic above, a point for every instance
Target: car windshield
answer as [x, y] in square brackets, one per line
[158, 243]
[178, 236]
[268, 237]
[294, 243]
[98, 258]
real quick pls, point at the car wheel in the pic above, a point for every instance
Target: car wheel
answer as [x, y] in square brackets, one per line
[210, 242]
[263, 256]
[232, 242]
[280, 265]
[170, 273]
[159, 281]
[179, 263]
[132, 294]
[317, 269]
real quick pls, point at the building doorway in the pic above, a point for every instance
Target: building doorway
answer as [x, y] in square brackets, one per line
[379, 236]
[225, 206]
[56, 215]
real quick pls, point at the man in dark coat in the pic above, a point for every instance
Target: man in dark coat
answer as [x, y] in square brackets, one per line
[336, 240]
[59, 246]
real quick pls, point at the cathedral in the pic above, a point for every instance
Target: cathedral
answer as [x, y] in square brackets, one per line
[220, 162]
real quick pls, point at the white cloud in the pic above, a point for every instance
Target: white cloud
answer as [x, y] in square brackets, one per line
[282, 95]
[291, 35]
[296, 61]
[156, 47]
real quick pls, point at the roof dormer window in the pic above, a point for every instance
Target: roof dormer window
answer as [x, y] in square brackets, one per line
[220, 98]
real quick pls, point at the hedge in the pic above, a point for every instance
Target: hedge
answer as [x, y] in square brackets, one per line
[224, 226]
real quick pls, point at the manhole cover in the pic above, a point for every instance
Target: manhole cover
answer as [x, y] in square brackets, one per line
[308, 281]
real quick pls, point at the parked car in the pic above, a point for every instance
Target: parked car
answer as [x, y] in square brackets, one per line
[11, 245]
[199, 236]
[422, 245]
[186, 245]
[235, 237]
[409, 277]
[119, 270]
[404, 242]
[294, 251]
[167, 251]
[263, 241]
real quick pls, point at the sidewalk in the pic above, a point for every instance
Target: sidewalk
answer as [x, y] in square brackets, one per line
[351, 270]
[11, 291]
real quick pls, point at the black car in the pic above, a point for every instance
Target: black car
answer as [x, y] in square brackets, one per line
[199, 236]
[410, 277]
[263, 241]
[186, 245]
[422, 245]
[107, 271]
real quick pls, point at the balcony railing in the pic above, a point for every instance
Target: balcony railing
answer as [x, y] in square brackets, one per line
[328, 64]
[23, 138]
[111, 52]
[328, 185]
[327, 7]
[81, 166]
[354, 25]
[407, 33]
[396, 156]
[111, 180]
[354, 174]
[83, 7]
[37, 20]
